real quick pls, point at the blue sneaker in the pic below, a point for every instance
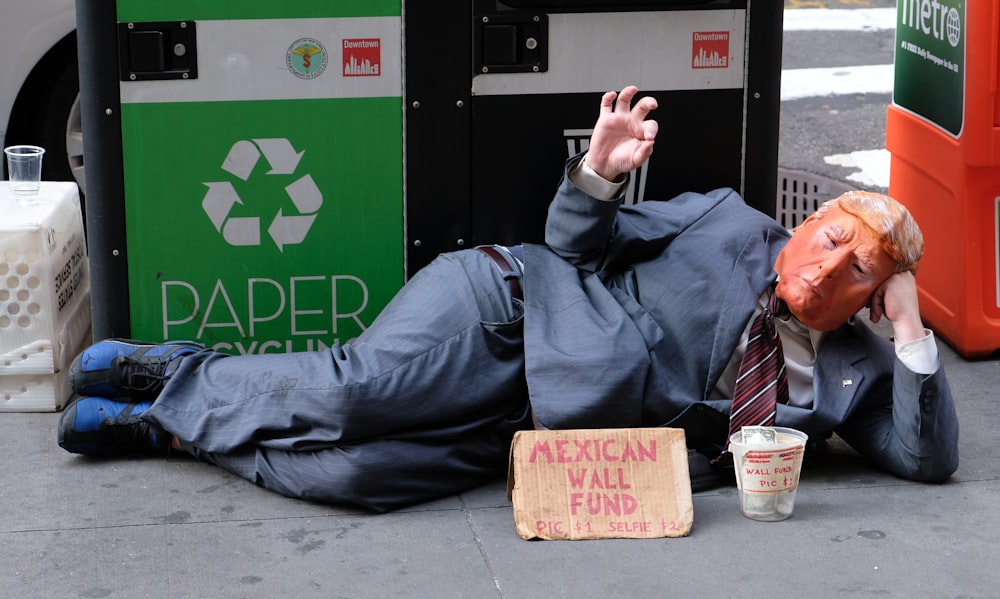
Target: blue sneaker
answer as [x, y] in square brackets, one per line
[124, 368]
[98, 426]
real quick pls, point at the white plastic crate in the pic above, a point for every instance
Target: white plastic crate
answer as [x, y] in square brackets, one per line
[44, 295]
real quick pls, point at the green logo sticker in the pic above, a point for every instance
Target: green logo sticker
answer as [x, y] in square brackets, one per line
[306, 58]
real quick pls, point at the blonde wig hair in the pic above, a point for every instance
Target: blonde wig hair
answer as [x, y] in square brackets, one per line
[888, 221]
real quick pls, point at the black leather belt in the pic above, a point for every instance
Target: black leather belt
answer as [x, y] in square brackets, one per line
[509, 272]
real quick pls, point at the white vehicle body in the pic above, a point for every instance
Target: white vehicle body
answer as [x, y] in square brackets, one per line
[39, 84]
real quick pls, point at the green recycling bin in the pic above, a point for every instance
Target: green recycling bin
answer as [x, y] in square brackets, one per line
[244, 163]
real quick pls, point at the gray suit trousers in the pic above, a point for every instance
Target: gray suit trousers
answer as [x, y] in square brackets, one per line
[422, 405]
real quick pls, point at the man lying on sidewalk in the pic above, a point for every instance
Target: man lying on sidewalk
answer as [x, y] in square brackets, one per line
[629, 316]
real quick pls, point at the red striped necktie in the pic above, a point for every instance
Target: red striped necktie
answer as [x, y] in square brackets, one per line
[762, 381]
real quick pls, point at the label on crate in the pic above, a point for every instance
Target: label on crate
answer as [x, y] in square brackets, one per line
[72, 269]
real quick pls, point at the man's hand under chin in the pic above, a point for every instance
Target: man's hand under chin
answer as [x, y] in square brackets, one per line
[896, 299]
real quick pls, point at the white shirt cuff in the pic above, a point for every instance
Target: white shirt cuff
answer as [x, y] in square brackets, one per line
[588, 181]
[920, 355]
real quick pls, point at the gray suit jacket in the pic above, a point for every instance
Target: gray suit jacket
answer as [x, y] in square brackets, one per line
[632, 313]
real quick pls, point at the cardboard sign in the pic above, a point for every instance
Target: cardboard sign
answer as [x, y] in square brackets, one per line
[600, 484]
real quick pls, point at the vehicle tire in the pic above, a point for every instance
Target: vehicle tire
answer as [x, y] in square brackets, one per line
[47, 114]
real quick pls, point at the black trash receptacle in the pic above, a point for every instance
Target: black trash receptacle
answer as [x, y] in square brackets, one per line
[499, 94]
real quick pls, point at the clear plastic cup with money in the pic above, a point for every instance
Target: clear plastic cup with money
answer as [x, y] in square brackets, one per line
[767, 461]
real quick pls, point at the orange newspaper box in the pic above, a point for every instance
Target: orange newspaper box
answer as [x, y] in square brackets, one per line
[943, 131]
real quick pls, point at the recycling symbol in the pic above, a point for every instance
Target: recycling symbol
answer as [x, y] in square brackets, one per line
[284, 229]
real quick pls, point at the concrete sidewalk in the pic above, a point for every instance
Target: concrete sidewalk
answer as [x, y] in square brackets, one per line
[79, 527]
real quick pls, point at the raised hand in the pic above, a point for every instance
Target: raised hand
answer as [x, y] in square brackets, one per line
[623, 138]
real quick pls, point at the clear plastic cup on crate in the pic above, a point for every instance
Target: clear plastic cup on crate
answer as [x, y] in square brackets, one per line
[24, 164]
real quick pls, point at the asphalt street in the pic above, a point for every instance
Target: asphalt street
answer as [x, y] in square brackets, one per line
[815, 127]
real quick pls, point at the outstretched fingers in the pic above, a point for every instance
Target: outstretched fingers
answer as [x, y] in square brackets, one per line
[641, 110]
[623, 138]
[646, 129]
[608, 102]
[625, 98]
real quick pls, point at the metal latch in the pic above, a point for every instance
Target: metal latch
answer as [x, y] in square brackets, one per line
[157, 50]
[511, 43]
